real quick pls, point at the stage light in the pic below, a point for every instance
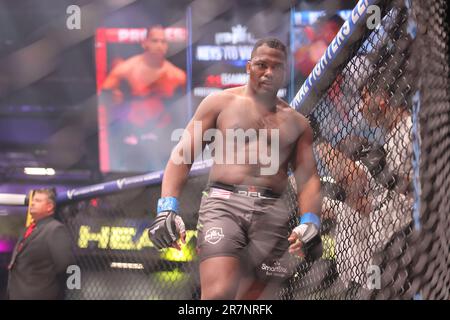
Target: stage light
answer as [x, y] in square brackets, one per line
[39, 171]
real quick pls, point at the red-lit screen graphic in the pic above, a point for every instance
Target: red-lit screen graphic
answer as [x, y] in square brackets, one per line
[141, 84]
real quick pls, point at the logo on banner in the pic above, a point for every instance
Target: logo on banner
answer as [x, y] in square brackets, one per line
[120, 183]
[235, 46]
[70, 194]
[85, 191]
[131, 35]
[139, 179]
[214, 235]
[237, 35]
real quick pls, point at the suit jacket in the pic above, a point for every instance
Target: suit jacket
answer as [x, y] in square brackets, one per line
[38, 271]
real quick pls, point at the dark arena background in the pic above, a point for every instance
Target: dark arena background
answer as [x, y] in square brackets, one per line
[372, 77]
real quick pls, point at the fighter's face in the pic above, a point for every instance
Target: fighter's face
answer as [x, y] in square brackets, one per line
[267, 69]
[156, 43]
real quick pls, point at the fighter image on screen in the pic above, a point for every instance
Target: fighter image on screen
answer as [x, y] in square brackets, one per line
[143, 81]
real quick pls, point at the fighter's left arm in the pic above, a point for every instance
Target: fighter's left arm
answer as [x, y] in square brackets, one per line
[305, 238]
[305, 173]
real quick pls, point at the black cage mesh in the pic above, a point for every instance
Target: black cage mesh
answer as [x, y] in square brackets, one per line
[382, 149]
[115, 256]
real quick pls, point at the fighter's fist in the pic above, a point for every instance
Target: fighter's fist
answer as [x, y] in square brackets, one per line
[166, 229]
[306, 241]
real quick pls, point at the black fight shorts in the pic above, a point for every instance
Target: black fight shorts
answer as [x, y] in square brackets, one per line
[253, 229]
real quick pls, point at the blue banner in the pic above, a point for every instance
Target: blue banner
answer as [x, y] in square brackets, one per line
[126, 183]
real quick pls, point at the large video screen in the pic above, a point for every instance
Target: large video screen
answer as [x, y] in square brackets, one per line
[150, 80]
[141, 81]
[224, 46]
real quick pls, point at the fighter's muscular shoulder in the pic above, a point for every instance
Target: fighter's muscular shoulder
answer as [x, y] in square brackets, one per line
[132, 62]
[211, 106]
[221, 99]
[123, 69]
[232, 93]
[174, 72]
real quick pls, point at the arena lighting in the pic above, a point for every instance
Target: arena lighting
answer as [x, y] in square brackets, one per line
[126, 265]
[39, 171]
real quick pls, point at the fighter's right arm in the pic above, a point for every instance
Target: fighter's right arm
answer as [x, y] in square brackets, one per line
[112, 82]
[190, 145]
[168, 226]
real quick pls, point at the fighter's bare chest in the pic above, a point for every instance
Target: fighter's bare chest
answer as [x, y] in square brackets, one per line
[145, 76]
[233, 118]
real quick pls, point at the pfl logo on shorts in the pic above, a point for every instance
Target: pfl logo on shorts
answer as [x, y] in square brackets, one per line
[214, 235]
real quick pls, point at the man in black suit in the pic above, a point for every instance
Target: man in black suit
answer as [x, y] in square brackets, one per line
[40, 259]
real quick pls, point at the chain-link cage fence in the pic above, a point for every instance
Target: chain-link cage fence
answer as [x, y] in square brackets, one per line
[382, 150]
[116, 258]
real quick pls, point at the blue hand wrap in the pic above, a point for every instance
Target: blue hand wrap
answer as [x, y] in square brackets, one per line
[309, 217]
[167, 204]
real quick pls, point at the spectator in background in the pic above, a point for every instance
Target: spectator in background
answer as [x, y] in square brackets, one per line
[37, 270]
[350, 211]
[319, 36]
[376, 178]
[391, 168]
